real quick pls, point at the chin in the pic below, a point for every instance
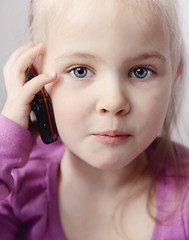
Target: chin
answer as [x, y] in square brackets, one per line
[107, 164]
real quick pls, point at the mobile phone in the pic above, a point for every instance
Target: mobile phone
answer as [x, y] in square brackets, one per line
[42, 107]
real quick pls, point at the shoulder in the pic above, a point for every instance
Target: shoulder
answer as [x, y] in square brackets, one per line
[168, 155]
[39, 161]
[30, 204]
[172, 163]
[31, 181]
[172, 189]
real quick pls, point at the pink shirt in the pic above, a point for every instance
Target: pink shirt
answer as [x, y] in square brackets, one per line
[29, 198]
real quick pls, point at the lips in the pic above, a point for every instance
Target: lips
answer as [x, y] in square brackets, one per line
[114, 136]
[112, 133]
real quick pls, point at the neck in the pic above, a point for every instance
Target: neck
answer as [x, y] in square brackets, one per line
[75, 171]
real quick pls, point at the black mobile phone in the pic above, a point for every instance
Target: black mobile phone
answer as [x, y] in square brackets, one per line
[42, 107]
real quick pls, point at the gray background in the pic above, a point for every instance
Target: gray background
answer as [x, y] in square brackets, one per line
[14, 32]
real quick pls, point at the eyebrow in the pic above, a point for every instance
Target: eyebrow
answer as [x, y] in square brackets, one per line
[150, 55]
[78, 55]
[154, 55]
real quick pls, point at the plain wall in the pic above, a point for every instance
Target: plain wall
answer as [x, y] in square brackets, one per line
[14, 32]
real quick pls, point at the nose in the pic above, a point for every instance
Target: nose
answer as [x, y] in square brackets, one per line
[113, 100]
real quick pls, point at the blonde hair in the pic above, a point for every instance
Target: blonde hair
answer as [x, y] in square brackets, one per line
[42, 12]
[39, 20]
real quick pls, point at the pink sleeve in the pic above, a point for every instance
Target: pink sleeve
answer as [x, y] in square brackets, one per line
[16, 144]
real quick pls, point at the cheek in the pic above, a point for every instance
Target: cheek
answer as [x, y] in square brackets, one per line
[69, 110]
[66, 109]
[154, 109]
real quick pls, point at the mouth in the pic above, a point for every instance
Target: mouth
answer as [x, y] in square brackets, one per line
[111, 137]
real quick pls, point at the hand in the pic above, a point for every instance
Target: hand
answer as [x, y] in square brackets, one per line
[19, 93]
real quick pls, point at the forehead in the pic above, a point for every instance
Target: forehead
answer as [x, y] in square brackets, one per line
[95, 23]
[88, 11]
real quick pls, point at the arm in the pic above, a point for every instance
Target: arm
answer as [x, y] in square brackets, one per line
[15, 140]
[16, 144]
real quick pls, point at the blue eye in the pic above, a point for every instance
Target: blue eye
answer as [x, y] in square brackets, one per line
[141, 72]
[79, 72]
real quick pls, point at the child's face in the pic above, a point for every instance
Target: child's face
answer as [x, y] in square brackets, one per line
[122, 85]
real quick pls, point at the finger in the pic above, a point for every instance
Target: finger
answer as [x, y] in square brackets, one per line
[18, 106]
[17, 53]
[28, 57]
[8, 68]
[36, 84]
[15, 75]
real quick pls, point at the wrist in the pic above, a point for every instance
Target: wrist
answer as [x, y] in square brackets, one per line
[16, 115]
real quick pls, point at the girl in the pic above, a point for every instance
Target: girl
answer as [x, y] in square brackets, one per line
[112, 69]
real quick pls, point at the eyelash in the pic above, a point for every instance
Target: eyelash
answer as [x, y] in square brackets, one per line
[148, 73]
[78, 68]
